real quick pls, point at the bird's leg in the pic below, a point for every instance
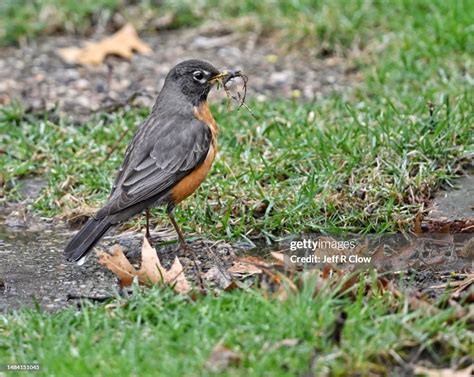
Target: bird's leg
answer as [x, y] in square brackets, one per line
[147, 215]
[181, 239]
[189, 250]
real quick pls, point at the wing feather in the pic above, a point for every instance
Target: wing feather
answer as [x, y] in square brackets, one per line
[159, 156]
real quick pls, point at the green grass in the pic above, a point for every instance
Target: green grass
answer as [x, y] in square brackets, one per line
[331, 24]
[159, 333]
[326, 166]
[22, 19]
[363, 161]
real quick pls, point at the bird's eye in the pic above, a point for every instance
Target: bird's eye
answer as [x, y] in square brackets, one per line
[199, 76]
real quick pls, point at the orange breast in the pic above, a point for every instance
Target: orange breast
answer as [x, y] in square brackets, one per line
[193, 180]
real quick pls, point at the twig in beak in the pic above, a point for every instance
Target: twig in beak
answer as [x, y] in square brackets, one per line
[222, 80]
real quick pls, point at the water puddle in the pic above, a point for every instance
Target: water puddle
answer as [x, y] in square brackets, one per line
[33, 270]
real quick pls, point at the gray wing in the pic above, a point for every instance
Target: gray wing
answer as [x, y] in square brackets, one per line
[161, 153]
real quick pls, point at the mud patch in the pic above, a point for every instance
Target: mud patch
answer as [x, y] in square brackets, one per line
[33, 270]
[453, 208]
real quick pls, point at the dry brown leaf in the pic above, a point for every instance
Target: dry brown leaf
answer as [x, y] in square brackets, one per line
[415, 300]
[232, 286]
[280, 257]
[428, 372]
[242, 268]
[175, 277]
[118, 263]
[248, 266]
[150, 272]
[122, 43]
[404, 257]
[222, 358]
[327, 270]
[361, 249]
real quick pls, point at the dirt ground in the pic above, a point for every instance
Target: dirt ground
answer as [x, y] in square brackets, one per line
[36, 77]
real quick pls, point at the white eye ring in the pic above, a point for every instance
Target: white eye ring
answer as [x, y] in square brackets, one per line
[199, 76]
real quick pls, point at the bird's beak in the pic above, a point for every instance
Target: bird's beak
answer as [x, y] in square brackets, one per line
[225, 76]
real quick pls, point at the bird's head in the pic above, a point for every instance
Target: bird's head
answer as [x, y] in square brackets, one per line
[194, 79]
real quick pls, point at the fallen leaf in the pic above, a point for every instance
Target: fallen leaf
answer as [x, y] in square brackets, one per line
[247, 266]
[239, 268]
[122, 43]
[404, 257]
[415, 300]
[175, 277]
[151, 269]
[459, 311]
[428, 372]
[118, 263]
[280, 257]
[328, 269]
[222, 358]
[232, 286]
[150, 272]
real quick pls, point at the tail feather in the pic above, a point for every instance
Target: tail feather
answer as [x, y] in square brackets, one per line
[86, 238]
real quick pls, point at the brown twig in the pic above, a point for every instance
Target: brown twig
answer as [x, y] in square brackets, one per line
[238, 98]
[115, 146]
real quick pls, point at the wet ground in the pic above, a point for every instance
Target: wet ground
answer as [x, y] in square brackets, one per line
[454, 207]
[33, 270]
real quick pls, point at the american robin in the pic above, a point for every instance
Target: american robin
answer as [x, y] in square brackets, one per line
[168, 158]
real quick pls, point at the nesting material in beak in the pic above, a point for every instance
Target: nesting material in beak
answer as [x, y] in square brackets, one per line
[225, 76]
